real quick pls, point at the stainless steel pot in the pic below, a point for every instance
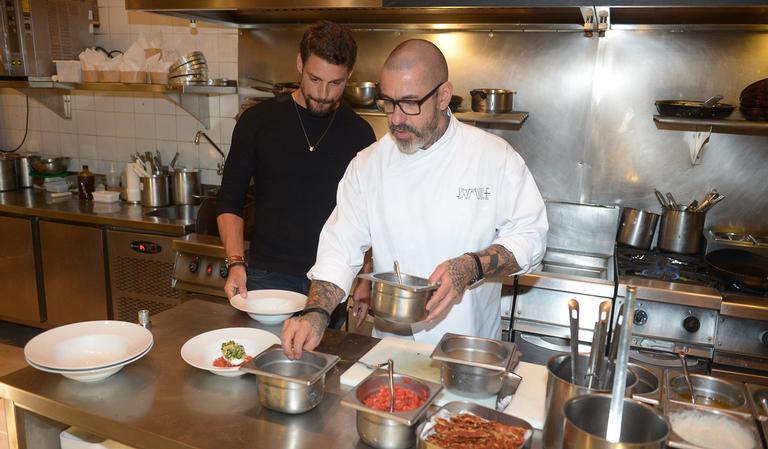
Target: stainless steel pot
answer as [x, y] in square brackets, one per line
[492, 100]
[586, 422]
[404, 302]
[25, 170]
[560, 390]
[637, 227]
[186, 186]
[474, 367]
[681, 231]
[9, 166]
[382, 429]
[290, 386]
[155, 191]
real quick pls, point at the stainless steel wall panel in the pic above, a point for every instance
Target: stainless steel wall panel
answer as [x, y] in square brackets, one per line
[590, 136]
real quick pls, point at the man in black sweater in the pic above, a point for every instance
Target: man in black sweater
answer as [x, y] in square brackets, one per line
[296, 148]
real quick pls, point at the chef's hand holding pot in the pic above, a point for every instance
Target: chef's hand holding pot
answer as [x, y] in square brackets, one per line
[453, 276]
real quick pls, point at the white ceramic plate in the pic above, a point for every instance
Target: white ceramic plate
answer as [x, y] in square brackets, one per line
[90, 375]
[200, 351]
[88, 345]
[270, 306]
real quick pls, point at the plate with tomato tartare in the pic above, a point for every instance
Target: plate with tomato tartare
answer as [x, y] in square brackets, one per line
[222, 351]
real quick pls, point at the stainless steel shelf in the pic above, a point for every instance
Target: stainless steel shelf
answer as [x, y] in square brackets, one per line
[725, 126]
[516, 119]
[56, 96]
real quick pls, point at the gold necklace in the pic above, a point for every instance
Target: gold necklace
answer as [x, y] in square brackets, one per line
[306, 137]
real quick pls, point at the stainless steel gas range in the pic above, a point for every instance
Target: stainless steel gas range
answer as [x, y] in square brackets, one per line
[683, 308]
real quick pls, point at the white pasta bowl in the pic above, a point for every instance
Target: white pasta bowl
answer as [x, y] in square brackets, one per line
[90, 345]
[270, 306]
[200, 351]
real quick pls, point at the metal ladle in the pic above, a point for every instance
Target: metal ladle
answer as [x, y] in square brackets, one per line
[391, 372]
[687, 378]
[397, 272]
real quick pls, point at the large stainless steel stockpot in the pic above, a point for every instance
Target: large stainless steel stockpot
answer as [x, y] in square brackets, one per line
[586, 423]
[492, 100]
[681, 231]
[637, 227]
[186, 186]
[560, 389]
[9, 167]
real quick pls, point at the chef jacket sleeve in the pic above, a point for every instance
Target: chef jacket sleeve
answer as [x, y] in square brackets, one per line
[522, 217]
[345, 237]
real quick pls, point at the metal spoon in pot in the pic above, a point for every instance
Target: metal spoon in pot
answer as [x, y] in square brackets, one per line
[397, 272]
[687, 378]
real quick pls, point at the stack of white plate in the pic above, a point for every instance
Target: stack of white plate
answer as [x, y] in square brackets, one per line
[89, 351]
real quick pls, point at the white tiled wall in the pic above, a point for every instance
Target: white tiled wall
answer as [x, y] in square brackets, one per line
[108, 127]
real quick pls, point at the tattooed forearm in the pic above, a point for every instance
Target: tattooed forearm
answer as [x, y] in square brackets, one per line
[324, 294]
[498, 261]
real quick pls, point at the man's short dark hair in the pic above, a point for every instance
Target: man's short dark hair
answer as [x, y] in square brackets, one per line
[331, 42]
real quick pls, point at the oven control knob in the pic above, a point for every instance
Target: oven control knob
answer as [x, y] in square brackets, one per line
[764, 338]
[194, 266]
[640, 318]
[691, 324]
[223, 272]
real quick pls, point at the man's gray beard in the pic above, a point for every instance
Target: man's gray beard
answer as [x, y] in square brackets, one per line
[429, 137]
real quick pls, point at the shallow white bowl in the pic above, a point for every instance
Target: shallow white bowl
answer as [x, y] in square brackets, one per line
[90, 375]
[200, 351]
[88, 345]
[270, 306]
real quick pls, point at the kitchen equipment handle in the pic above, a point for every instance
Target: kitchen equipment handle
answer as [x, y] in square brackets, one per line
[573, 319]
[541, 343]
[712, 102]
[594, 355]
[660, 197]
[602, 337]
[616, 332]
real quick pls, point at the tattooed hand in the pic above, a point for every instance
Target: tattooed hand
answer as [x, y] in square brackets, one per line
[454, 276]
[302, 333]
[305, 332]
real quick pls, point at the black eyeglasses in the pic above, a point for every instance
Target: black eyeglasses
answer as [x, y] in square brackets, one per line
[409, 107]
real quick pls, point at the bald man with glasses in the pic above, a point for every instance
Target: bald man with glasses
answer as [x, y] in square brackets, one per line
[448, 201]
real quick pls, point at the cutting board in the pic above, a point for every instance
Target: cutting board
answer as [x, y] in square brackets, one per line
[410, 358]
[528, 401]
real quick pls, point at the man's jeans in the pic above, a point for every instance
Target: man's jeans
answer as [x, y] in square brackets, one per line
[261, 280]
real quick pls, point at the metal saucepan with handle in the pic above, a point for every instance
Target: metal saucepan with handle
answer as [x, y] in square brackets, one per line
[492, 100]
[743, 268]
[275, 89]
[711, 108]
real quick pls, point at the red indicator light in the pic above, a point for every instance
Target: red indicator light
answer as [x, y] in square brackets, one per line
[209, 269]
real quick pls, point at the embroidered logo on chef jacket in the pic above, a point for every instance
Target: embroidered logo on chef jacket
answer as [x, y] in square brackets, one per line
[471, 193]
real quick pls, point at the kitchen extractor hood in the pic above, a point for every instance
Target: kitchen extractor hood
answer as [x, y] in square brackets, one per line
[544, 14]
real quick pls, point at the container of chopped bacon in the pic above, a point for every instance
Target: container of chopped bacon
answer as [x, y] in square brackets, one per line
[466, 425]
[376, 425]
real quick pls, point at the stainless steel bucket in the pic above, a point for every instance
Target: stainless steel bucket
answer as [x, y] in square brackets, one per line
[681, 231]
[637, 227]
[560, 390]
[155, 191]
[9, 166]
[586, 422]
[186, 186]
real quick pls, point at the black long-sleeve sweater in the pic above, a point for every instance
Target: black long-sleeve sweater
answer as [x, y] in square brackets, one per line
[295, 189]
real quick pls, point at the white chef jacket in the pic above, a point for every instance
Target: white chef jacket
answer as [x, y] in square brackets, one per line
[467, 191]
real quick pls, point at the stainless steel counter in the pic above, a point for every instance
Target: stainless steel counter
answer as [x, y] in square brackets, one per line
[32, 202]
[160, 402]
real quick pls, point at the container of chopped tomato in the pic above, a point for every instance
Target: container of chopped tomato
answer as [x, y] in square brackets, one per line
[376, 425]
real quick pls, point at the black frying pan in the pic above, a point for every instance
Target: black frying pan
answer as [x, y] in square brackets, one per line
[740, 267]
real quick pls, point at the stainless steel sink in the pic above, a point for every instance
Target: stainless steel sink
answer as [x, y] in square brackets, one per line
[185, 212]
